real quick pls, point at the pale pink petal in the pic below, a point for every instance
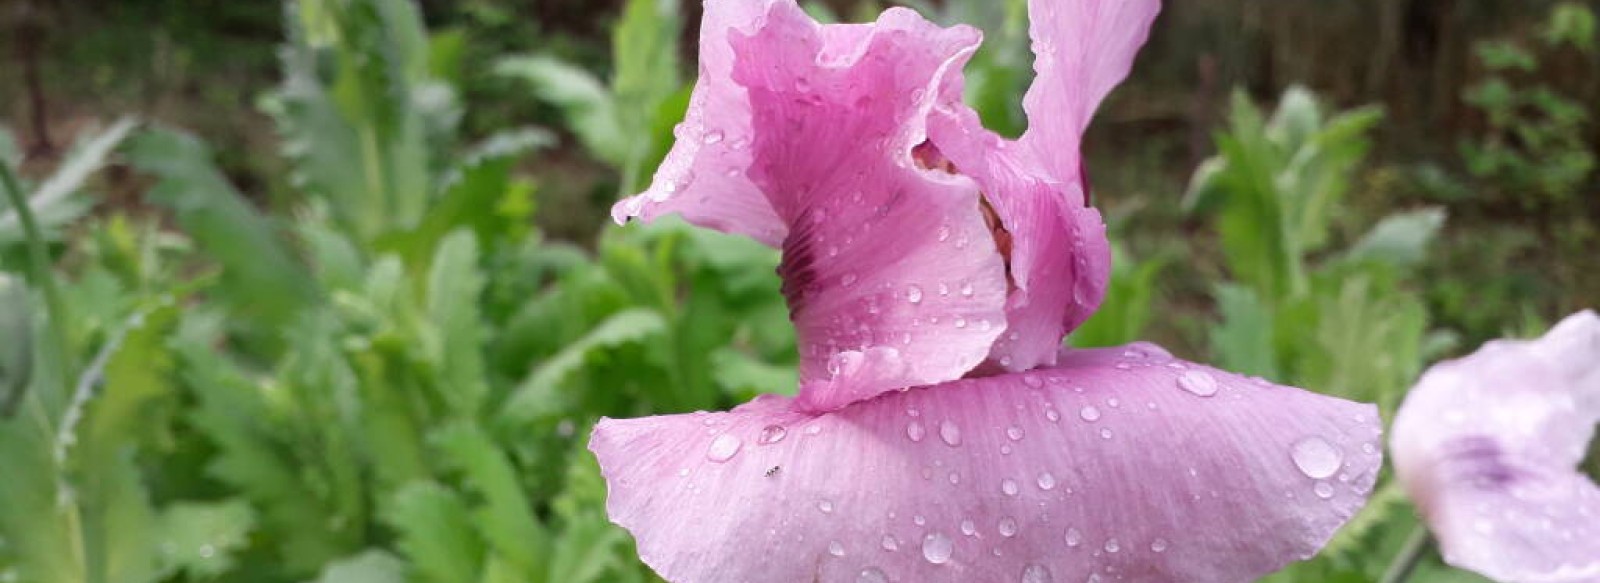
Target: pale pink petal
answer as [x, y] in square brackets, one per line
[1121, 464]
[891, 275]
[1488, 445]
[1082, 49]
[703, 176]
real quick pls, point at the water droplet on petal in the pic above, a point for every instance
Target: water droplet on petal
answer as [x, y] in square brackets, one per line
[772, 434]
[1315, 457]
[966, 289]
[1014, 433]
[1007, 527]
[944, 233]
[1112, 545]
[723, 448]
[968, 528]
[1009, 487]
[1198, 382]
[890, 543]
[1105, 433]
[1032, 380]
[937, 548]
[916, 431]
[1047, 481]
[826, 506]
[950, 433]
[914, 294]
[961, 322]
[1036, 574]
[1323, 490]
[1051, 414]
[872, 575]
[1089, 413]
[848, 279]
[1159, 545]
[1074, 538]
[714, 137]
[836, 549]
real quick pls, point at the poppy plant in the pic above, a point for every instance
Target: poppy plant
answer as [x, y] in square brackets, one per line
[1488, 447]
[932, 269]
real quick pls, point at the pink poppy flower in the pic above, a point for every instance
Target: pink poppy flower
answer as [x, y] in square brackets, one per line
[1488, 447]
[932, 269]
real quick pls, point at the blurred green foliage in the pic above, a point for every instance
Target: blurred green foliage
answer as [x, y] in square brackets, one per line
[390, 375]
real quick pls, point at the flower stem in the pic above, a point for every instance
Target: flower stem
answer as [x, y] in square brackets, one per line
[40, 268]
[1415, 548]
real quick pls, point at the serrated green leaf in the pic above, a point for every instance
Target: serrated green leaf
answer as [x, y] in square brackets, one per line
[505, 519]
[535, 395]
[199, 539]
[436, 533]
[260, 275]
[1400, 239]
[454, 288]
[52, 201]
[373, 566]
[587, 105]
[1243, 342]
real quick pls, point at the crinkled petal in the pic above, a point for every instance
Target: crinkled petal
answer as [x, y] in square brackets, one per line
[1121, 464]
[1082, 49]
[891, 276]
[1060, 258]
[1488, 445]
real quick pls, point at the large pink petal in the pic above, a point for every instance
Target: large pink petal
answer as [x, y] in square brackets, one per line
[1488, 446]
[1121, 464]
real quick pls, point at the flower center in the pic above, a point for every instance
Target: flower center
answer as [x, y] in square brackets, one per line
[928, 157]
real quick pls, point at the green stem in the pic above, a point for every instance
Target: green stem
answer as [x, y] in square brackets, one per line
[41, 272]
[1415, 548]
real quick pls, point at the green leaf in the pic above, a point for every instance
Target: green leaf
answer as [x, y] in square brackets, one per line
[199, 539]
[53, 201]
[587, 105]
[744, 377]
[504, 518]
[1400, 239]
[373, 566]
[16, 343]
[436, 533]
[260, 277]
[454, 290]
[1126, 309]
[536, 395]
[1243, 342]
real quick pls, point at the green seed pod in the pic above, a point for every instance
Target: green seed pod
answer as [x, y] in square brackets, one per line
[16, 343]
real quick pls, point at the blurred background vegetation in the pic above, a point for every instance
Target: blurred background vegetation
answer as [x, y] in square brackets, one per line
[332, 294]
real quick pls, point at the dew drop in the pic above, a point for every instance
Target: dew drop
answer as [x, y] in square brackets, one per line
[772, 434]
[1036, 574]
[950, 433]
[1198, 382]
[872, 575]
[961, 322]
[966, 289]
[914, 294]
[937, 548]
[890, 543]
[968, 528]
[944, 233]
[1051, 414]
[1074, 538]
[723, 448]
[1047, 481]
[826, 506]
[714, 137]
[1368, 448]
[1032, 380]
[916, 431]
[1315, 457]
[1009, 487]
[1014, 433]
[1112, 545]
[848, 279]
[1089, 413]
[1007, 527]
[1159, 545]
[836, 549]
[1323, 490]
[919, 520]
[1105, 433]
